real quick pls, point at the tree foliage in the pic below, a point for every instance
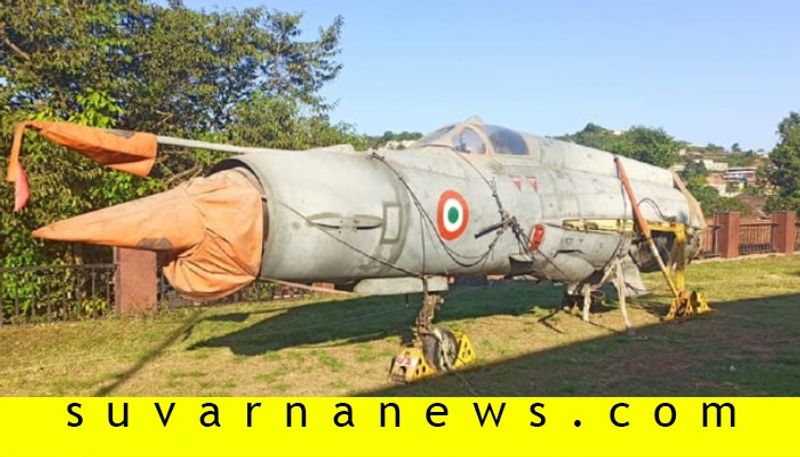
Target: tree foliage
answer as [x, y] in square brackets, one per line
[277, 122]
[656, 147]
[593, 136]
[712, 202]
[649, 145]
[245, 76]
[694, 175]
[784, 169]
[405, 135]
[376, 142]
[173, 69]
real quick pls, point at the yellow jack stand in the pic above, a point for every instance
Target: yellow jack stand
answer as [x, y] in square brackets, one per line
[690, 303]
[685, 303]
[411, 365]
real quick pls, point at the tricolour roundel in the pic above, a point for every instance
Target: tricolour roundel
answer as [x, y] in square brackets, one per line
[452, 215]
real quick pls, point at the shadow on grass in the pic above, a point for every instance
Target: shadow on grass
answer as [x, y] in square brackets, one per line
[338, 322]
[745, 347]
[182, 331]
[365, 319]
[347, 321]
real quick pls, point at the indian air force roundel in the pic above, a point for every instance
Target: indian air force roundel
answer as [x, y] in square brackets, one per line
[452, 215]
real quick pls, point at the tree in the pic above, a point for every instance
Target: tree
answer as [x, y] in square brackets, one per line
[735, 148]
[649, 145]
[138, 65]
[784, 169]
[173, 69]
[593, 136]
[277, 122]
[380, 141]
[405, 135]
[694, 174]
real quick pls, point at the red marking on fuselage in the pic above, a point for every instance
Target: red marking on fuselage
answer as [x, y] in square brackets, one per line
[533, 182]
[537, 235]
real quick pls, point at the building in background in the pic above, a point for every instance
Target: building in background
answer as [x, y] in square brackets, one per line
[745, 176]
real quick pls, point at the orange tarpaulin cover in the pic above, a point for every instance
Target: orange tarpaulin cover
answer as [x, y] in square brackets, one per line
[131, 152]
[210, 230]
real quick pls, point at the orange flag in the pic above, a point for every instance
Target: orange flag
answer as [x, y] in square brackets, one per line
[131, 152]
[21, 190]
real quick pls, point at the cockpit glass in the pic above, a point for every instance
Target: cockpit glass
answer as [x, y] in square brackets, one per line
[435, 137]
[459, 137]
[467, 141]
[505, 141]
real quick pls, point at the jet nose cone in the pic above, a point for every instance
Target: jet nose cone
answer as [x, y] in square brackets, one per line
[210, 228]
[162, 222]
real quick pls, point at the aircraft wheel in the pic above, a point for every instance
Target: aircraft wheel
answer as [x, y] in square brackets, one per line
[440, 349]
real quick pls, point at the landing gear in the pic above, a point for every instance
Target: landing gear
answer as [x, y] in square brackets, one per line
[592, 296]
[433, 349]
[440, 349]
[576, 303]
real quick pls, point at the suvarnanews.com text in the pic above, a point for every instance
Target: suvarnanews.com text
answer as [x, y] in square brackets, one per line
[383, 414]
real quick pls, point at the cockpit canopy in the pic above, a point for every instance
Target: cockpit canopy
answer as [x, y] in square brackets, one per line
[475, 137]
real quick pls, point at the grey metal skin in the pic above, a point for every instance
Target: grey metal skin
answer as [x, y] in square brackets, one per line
[343, 217]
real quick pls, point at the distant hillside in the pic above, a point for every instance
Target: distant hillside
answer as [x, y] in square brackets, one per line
[599, 137]
[705, 169]
[394, 140]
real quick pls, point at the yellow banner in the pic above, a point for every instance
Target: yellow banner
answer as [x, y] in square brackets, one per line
[399, 426]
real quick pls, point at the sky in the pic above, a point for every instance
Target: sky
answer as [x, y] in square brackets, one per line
[705, 71]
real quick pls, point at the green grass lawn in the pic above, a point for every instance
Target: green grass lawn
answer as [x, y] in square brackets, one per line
[749, 345]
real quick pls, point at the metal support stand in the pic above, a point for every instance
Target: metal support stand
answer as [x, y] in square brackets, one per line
[587, 303]
[619, 283]
[615, 274]
[431, 302]
[685, 303]
[433, 349]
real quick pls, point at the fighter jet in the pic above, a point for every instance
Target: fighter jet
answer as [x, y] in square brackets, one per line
[467, 199]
